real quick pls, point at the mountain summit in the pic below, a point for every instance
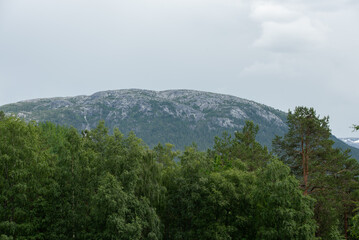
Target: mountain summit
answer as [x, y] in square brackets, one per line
[179, 117]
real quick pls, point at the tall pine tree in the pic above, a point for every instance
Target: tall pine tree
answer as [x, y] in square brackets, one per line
[326, 174]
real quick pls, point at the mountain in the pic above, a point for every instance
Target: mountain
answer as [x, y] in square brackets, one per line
[179, 117]
[354, 142]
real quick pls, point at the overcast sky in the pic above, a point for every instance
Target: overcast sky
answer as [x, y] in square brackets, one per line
[280, 53]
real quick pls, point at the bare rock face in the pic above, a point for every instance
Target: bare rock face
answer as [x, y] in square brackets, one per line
[176, 116]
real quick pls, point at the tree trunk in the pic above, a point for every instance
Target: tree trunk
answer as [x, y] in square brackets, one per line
[304, 165]
[346, 224]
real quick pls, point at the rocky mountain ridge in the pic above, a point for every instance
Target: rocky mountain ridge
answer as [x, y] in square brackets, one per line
[188, 104]
[179, 117]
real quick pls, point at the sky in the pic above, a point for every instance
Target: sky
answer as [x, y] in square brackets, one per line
[282, 53]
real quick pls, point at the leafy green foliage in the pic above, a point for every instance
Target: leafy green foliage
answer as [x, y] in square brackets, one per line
[281, 209]
[59, 184]
[56, 183]
[227, 198]
[24, 172]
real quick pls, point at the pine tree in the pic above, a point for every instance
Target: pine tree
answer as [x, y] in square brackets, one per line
[304, 145]
[326, 174]
[242, 146]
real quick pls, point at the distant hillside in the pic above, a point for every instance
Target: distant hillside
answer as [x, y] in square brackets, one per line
[354, 142]
[179, 117]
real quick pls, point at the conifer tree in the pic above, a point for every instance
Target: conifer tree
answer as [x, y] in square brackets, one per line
[242, 146]
[304, 146]
[326, 174]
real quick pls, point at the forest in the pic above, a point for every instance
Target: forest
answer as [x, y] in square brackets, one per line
[59, 183]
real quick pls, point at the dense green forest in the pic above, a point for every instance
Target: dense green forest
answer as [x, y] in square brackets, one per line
[57, 183]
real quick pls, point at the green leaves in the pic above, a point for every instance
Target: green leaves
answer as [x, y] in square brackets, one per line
[281, 209]
[219, 196]
[23, 174]
[59, 184]
[121, 215]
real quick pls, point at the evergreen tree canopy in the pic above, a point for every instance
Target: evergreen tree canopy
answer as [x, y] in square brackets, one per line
[327, 174]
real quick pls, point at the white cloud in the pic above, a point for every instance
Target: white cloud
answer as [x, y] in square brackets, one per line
[267, 11]
[291, 36]
[286, 26]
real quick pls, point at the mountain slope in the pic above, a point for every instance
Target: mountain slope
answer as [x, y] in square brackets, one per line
[179, 117]
[354, 142]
